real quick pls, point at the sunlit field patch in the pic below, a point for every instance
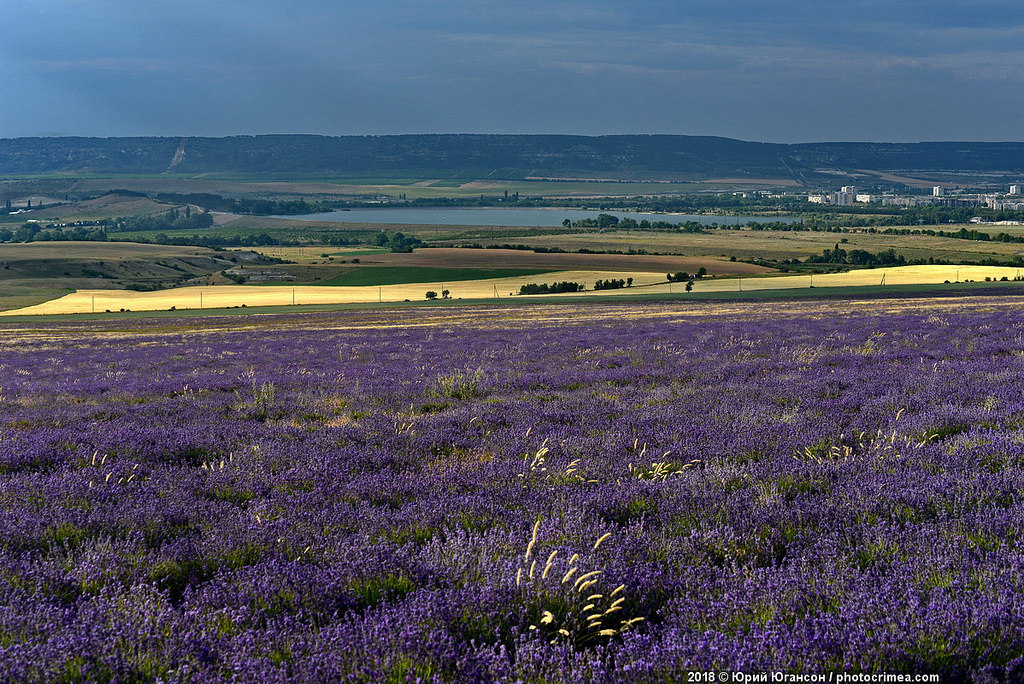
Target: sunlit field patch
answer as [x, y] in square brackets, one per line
[223, 296]
[604, 492]
[643, 283]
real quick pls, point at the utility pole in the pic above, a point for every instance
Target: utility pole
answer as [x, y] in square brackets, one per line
[293, 296]
[380, 295]
[200, 299]
[94, 303]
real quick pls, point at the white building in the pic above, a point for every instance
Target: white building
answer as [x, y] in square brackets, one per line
[846, 196]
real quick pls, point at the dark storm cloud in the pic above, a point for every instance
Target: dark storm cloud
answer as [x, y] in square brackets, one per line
[783, 71]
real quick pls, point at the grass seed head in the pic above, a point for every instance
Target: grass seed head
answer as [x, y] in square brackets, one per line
[533, 540]
[547, 566]
[585, 576]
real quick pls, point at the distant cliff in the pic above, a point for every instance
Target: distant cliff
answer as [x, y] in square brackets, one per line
[661, 157]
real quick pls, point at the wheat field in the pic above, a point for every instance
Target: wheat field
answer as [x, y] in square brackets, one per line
[224, 296]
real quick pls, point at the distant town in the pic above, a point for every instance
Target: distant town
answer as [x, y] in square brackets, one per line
[849, 195]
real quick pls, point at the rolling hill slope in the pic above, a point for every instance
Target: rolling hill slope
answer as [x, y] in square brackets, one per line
[661, 157]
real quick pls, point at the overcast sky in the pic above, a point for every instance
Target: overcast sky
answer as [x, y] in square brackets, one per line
[766, 70]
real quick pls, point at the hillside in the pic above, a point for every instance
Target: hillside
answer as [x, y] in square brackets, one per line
[660, 157]
[38, 271]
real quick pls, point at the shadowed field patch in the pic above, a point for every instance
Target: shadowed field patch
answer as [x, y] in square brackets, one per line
[37, 271]
[497, 259]
[398, 275]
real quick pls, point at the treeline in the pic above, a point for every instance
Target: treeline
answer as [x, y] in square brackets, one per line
[857, 257]
[542, 250]
[683, 276]
[553, 288]
[398, 242]
[217, 241]
[36, 232]
[174, 219]
[889, 257]
[245, 205]
[613, 284]
[877, 225]
[519, 247]
[962, 234]
[349, 237]
[107, 231]
[916, 215]
[614, 222]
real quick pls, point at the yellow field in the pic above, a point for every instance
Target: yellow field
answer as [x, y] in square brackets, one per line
[897, 275]
[215, 297]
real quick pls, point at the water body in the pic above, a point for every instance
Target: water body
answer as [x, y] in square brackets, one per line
[500, 216]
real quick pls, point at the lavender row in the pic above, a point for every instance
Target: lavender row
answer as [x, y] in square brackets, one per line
[512, 497]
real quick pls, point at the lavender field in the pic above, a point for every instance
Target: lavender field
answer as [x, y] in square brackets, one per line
[602, 493]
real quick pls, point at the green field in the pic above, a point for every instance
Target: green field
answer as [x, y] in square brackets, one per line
[15, 296]
[401, 275]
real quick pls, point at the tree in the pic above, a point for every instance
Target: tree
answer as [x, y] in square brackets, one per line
[689, 285]
[446, 294]
[431, 294]
[27, 232]
[610, 284]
